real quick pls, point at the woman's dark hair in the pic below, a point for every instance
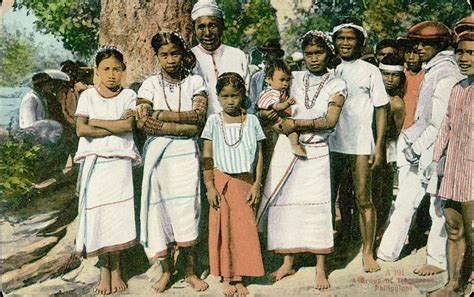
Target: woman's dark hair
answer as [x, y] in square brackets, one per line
[106, 52]
[384, 43]
[276, 64]
[164, 38]
[309, 39]
[75, 70]
[237, 82]
[393, 60]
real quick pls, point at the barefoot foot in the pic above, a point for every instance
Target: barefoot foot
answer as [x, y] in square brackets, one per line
[322, 282]
[298, 150]
[282, 272]
[103, 288]
[196, 283]
[117, 283]
[427, 270]
[162, 284]
[369, 264]
[447, 291]
[228, 289]
[241, 289]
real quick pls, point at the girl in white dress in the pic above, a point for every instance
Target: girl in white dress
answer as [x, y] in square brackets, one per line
[296, 202]
[106, 152]
[172, 113]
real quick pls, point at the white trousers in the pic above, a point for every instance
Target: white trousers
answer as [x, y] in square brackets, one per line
[411, 192]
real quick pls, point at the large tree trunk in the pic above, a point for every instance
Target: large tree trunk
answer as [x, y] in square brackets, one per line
[130, 25]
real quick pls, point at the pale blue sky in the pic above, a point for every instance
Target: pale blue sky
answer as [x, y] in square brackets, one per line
[19, 20]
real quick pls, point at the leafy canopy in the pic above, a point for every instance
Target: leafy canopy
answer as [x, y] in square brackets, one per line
[248, 25]
[18, 57]
[74, 22]
[382, 18]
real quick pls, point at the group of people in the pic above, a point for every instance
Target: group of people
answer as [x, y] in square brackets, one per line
[317, 136]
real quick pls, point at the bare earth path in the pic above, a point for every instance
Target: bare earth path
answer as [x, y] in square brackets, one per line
[395, 279]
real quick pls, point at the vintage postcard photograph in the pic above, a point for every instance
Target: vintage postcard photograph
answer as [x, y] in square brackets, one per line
[237, 148]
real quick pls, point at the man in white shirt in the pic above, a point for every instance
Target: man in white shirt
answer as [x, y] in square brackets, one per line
[353, 149]
[415, 148]
[213, 57]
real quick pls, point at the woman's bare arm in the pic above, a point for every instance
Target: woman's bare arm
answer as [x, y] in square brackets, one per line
[156, 127]
[327, 122]
[83, 129]
[114, 126]
[197, 116]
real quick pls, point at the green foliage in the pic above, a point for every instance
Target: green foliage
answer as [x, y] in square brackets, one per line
[382, 18]
[74, 22]
[17, 52]
[17, 162]
[248, 25]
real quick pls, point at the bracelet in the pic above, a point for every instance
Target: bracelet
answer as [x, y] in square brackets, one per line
[208, 163]
[335, 104]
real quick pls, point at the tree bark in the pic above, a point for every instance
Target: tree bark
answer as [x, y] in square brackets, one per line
[130, 26]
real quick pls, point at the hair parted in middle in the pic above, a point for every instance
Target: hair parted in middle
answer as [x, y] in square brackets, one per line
[236, 81]
[107, 51]
[164, 38]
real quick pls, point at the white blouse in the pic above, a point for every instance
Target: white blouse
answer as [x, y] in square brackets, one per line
[93, 106]
[333, 86]
[172, 96]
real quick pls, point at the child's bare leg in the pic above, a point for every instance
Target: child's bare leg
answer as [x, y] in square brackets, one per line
[297, 149]
[286, 269]
[116, 282]
[322, 282]
[103, 288]
[228, 289]
[198, 284]
[241, 289]
[162, 284]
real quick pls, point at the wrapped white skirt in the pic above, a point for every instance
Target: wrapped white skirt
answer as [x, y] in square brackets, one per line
[296, 204]
[106, 210]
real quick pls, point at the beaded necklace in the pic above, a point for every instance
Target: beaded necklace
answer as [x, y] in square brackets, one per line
[307, 102]
[164, 92]
[241, 130]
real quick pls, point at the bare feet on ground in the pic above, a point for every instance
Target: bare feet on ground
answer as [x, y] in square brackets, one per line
[241, 289]
[162, 284]
[117, 283]
[322, 282]
[103, 288]
[228, 289]
[298, 150]
[369, 264]
[427, 270]
[282, 272]
[196, 283]
[447, 291]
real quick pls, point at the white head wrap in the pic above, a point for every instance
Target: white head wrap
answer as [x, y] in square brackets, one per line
[206, 8]
[56, 74]
[324, 36]
[394, 68]
[350, 25]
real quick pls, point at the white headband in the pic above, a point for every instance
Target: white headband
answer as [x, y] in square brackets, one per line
[350, 25]
[398, 68]
[206, 8]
